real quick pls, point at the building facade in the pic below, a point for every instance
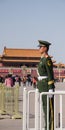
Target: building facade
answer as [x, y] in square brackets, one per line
[25, 61]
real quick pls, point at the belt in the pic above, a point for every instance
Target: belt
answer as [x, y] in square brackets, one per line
[42, 77]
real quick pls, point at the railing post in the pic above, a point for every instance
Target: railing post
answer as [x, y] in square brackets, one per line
[2, 111]
[16, 105]
[54, 112]
[40, 111]
[36, 109]
[24, 108]
[61, 112]
[47, 112]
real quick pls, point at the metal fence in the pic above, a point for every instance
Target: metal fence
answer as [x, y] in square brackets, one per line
[38, 112]
[9, 103]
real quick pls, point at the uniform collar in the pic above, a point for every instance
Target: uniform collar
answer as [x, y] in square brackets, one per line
[44, 55]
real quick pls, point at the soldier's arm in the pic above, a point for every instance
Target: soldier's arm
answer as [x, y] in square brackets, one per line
[49, 68]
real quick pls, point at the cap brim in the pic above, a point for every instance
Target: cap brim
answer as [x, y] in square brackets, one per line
[40, 45]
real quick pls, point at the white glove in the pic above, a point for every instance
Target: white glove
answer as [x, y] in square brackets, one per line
[39, 78]
[50, 90]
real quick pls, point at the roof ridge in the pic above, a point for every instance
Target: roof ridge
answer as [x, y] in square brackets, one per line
[21, 49]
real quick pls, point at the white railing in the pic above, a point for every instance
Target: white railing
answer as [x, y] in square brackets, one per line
[38, 109]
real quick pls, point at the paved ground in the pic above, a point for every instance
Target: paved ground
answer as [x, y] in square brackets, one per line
[16, 124]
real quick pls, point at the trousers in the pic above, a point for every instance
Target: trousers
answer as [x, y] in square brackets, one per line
[43, 87]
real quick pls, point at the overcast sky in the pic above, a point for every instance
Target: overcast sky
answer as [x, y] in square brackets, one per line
[24, 22]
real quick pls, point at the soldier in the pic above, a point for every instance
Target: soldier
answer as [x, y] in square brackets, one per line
[46, 81]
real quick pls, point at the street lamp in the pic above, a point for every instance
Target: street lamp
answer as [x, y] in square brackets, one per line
[59, 66]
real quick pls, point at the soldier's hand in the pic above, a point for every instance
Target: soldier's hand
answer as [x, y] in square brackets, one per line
[50, 95]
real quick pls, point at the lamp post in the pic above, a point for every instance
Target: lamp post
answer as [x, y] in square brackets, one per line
[24, 68]
[59, 66]
[10, 70]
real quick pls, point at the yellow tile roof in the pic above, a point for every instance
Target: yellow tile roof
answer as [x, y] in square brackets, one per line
[5, 60]
[9, 52]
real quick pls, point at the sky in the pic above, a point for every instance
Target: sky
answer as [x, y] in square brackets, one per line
[24, 22]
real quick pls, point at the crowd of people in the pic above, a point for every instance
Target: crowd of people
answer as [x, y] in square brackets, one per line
[10, 80]
[29, 81]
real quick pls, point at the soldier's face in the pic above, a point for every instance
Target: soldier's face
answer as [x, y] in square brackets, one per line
[42, 49]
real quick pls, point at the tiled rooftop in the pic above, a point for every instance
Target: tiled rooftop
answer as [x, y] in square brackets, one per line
[9, 52]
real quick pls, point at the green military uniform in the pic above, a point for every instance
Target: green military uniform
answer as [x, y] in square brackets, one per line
[45, 69]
